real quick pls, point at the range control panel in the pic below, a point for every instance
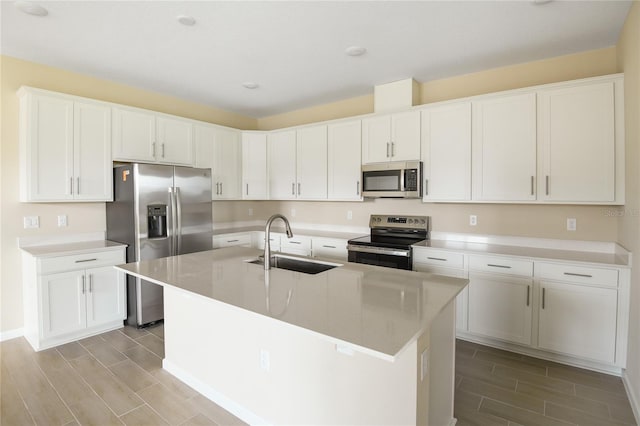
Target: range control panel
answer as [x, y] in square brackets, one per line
[404, 222]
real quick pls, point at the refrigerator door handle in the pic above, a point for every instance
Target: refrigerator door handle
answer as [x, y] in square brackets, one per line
[178, 222]
[172, 225]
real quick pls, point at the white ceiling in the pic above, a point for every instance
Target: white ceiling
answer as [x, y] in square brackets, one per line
[295, 50]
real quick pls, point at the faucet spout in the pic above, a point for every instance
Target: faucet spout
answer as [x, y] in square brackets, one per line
[267, 237]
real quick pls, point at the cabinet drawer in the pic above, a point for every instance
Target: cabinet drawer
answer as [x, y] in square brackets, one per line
[501, 265]
[232, 240]
[295, 244]
[80, 261]
[329, 247]
[438, 258]
[577, 274]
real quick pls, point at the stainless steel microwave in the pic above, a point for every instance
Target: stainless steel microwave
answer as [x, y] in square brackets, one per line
[395, 179]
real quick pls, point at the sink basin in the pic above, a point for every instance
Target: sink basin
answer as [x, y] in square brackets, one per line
[296, 264]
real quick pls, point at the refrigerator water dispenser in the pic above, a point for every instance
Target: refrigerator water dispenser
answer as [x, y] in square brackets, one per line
[157, 221]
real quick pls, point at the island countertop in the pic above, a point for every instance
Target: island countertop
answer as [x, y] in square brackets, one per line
[371, 309]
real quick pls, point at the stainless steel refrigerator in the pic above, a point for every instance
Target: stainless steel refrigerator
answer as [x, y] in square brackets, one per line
[158, 211]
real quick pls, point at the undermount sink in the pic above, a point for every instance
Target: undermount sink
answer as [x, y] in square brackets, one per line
[296, 264]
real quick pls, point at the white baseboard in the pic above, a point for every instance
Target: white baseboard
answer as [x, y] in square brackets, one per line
[233, 407]
[11, 334]
[633, 398]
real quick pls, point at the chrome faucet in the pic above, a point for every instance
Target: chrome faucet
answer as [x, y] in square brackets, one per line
[267, 238]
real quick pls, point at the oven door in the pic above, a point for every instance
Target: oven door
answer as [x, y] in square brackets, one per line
[380, 256]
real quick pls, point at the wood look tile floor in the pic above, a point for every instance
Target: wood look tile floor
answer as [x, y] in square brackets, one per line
[117, 378]
[496, 387]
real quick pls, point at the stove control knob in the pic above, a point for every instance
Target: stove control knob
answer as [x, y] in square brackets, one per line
[378, 219]
[422, 221]
[410, 220]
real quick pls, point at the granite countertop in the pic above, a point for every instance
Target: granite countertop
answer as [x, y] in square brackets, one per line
[535, 253]
[72, 248]
[370, 309]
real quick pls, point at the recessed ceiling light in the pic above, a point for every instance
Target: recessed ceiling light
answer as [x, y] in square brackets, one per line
[31, 8]
[186, 20]
[355, 51]
[250, 85]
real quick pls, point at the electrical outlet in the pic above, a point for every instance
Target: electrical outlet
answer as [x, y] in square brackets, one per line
[572, 224]
[265, 362]
[31, 222]
[62, 220]
[349, 215]
[473, 220]
[250, 212]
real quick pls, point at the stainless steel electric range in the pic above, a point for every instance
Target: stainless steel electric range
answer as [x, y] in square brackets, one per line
[389, 241]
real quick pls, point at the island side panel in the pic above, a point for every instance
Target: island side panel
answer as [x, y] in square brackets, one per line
[441, 367]
[217, 349]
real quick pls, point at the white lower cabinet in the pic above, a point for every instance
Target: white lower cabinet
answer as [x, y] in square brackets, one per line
[332, 248]
[65, 299]
[232, 240]
[500, 306]
[299, 245]
[578, 320]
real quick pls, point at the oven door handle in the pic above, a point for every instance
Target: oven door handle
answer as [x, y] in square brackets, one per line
[379, 250]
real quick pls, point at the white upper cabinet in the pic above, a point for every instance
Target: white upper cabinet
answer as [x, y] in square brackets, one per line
[504, 148]
[65, 148]
[254, 166]
[581, 143]
[311, 163]
[282, 165]
[298, 164]
[218, 148]
[344, 160]
[394, 137]
[145, 136]
[446, 152]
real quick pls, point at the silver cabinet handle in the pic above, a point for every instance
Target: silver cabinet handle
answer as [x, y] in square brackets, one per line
[393, 149]
[217, 188]
[358, 188]
[162, 146]
[426, 187]
[546, 184]
[247, 189]
[543, 297]
[90, 283]
[153, 149]
[86, 260]
[528, 291]
[325, 246]
[388, 149]
[71, 185]
[573, 274]
[298, 188]
[232, 241]
[221, 188]
[498, 266]
[78, 185]
[83, 285]
[293, 188]
[437, 258]
[295, 242]
[532, 183]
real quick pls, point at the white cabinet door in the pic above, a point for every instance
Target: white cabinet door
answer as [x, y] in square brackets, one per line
[62, 300]
[405, 136]
[500, 307]
[105, 295]
[232, 240]
[504, 148]
[134, 135]
[577, 138]
[174, 143]
[578, 320]
[311, 163]
[204, 138]
[228, 164]
[332, 248]
[282, 165]
[254, 166]
[376, 139]
[92, 152]
[46, 148]
[394, 137]
[446, 152]
[344, 160]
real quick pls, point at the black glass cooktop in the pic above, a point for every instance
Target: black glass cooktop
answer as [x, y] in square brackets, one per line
[386, 241]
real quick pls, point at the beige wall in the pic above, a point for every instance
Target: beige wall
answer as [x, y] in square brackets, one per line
[83, 217]
[629, 223]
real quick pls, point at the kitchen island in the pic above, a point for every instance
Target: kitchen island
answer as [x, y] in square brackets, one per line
[356, 344]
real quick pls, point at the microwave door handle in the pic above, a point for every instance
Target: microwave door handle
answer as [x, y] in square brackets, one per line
[403, 174]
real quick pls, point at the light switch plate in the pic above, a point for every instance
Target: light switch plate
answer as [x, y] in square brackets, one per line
[31, 222]
[572, 224]
[62, 220]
